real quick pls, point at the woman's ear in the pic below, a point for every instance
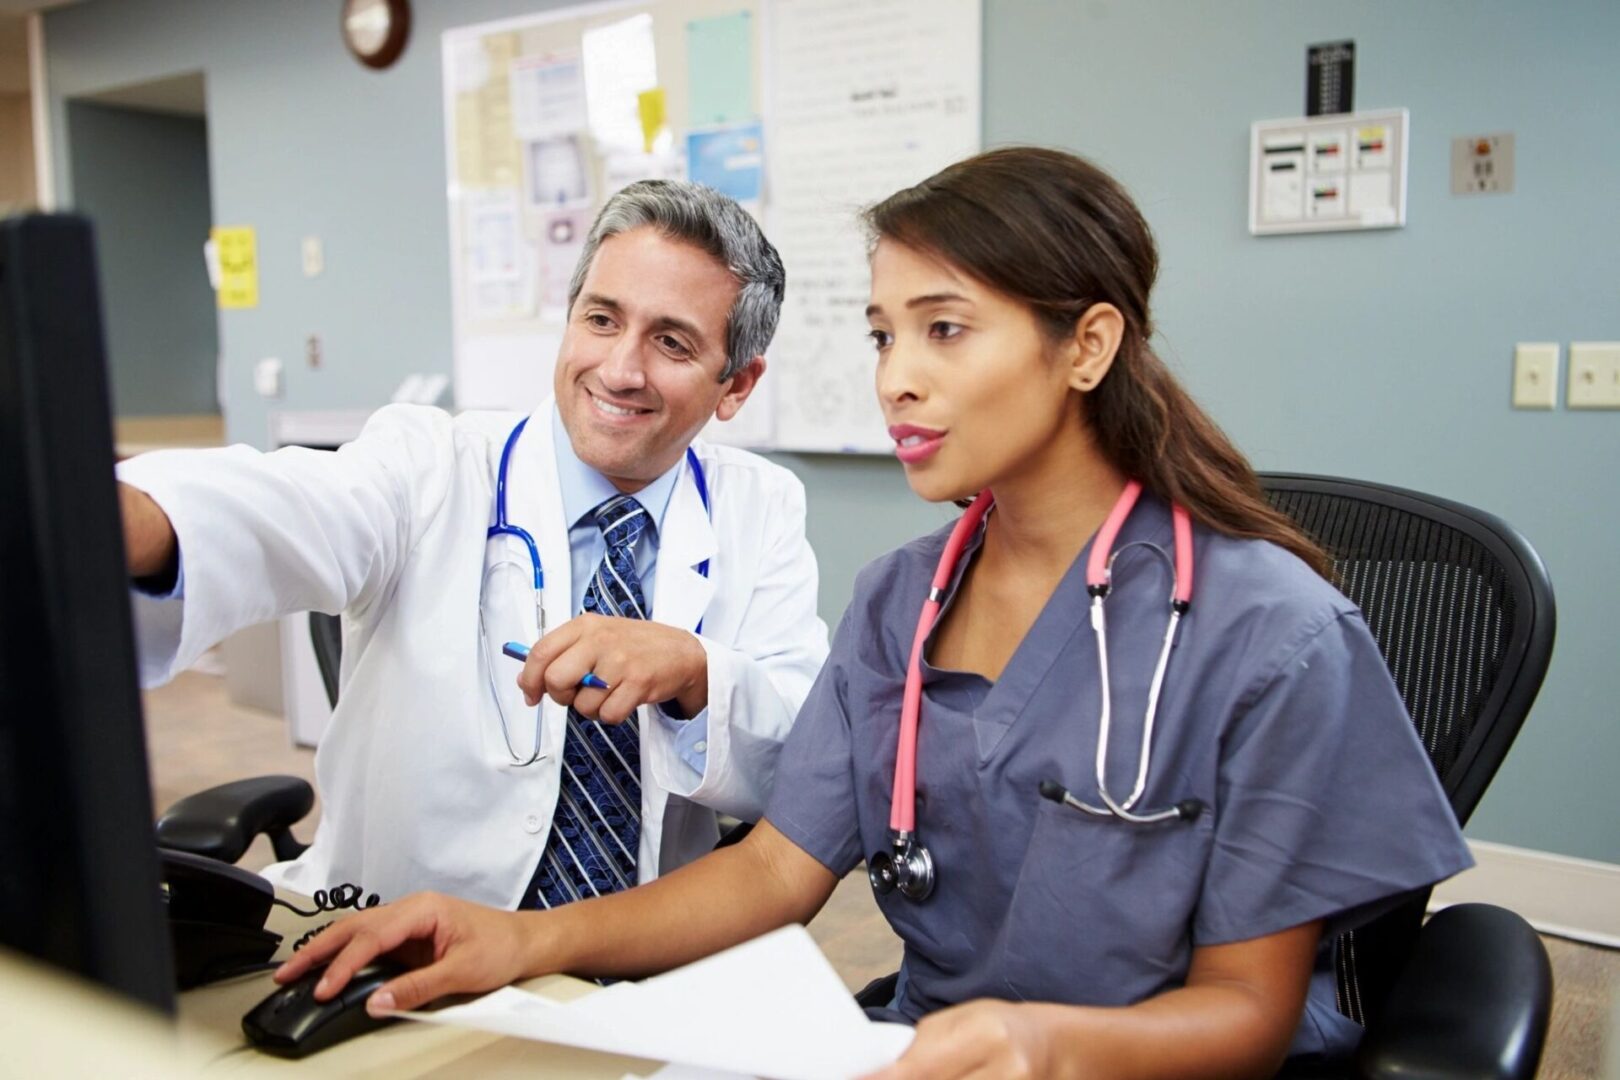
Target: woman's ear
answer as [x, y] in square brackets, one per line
[1097, 336]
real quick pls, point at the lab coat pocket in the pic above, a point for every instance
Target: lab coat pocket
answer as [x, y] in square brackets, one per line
[1102, 910]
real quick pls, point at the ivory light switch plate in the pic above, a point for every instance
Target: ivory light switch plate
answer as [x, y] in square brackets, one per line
[1594, 375]
[267, 377]
[1535, 375]
[314, 257]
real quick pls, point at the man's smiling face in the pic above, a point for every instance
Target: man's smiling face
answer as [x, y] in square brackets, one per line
[638, 374]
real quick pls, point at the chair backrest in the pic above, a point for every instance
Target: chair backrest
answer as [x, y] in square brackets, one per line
[1462, 609]
[326, 634]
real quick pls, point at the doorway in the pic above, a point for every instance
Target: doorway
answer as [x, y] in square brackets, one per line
[139, 171]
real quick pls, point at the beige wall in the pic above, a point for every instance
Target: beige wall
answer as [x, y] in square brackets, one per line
[16, 153]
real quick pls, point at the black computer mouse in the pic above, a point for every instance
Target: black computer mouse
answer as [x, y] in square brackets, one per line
[291, 1023]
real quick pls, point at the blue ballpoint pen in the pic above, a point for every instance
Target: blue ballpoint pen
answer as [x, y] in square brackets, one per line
[521, 652]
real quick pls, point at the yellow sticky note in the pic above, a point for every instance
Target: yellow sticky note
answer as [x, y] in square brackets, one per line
[238, 265]
[651, 105]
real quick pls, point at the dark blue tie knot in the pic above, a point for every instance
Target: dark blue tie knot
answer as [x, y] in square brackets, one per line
[622, 520]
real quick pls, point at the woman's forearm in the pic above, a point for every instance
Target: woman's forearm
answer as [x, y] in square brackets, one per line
[722, 899]
[1235, 1018]
[1195, 1033]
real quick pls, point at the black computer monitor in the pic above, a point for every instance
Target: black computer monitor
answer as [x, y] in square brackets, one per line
[79, 883]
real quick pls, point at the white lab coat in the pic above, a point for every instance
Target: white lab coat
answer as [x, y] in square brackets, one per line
[418, 789]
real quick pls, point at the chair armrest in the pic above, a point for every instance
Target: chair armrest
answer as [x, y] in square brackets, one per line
[221, 822]
[1473, 1001]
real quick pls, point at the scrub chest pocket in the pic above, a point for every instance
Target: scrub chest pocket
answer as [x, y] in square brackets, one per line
[1083, 881]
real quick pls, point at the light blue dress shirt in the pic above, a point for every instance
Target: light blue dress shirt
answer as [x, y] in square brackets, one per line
[583, 489]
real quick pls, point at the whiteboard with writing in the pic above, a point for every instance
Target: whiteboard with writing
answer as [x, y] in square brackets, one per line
[862, 98]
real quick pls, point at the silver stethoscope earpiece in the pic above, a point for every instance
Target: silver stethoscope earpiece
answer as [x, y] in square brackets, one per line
[908, 866]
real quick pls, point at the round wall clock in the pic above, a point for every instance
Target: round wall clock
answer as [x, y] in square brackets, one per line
[376, 30]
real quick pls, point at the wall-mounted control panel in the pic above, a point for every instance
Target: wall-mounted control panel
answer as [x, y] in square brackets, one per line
[1328, 173]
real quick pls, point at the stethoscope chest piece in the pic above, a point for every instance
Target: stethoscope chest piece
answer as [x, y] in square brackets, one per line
[909, 868]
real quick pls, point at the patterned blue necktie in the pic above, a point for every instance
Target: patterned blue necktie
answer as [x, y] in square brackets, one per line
[596, 828]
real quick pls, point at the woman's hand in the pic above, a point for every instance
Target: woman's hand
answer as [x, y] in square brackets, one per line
[983, 1039]
[455, 947]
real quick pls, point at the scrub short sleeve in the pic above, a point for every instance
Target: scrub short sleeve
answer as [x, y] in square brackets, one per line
[813, 803]
[1327, 804]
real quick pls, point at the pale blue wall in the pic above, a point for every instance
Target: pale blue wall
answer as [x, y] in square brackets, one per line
[142, 178]
[1382, 355]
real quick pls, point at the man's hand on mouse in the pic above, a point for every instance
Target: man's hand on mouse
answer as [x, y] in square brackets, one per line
[643, 663]
[452, 945]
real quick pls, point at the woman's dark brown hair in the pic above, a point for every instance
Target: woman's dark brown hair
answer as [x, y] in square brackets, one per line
[1058, 234]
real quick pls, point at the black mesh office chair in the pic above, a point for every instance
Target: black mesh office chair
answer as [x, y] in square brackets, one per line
[1462, 609]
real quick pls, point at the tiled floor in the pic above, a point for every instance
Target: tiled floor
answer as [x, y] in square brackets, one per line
[196, 738]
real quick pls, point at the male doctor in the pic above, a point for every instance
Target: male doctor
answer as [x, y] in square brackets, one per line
[598, 529]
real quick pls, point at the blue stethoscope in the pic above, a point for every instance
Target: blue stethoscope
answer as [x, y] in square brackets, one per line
[503, 527]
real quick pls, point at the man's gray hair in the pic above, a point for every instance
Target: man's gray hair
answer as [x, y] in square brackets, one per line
[703, 217]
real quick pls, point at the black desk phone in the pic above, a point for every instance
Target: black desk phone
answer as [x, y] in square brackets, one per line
[216, 918]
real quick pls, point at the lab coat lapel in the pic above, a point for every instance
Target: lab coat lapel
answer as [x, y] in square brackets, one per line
[686, 538]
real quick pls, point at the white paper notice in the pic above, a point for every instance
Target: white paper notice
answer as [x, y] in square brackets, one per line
[787, 1014]
[548, 96]
[499, 263]
[863, 97]
[493, 236]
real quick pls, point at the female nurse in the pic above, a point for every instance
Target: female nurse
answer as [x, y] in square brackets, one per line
[1121, 857]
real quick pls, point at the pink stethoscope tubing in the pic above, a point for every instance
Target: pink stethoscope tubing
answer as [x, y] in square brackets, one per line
[910, 867]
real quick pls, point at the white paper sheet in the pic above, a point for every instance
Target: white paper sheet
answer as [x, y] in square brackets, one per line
[864, 97]
[557, 173]
[493, 235]
[687, 1072]
[548, 96]
[787, 1016]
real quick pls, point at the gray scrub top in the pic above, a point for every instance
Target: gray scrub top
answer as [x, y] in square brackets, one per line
[1277, 712]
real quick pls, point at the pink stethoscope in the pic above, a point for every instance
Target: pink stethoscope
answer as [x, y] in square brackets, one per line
[908, 866]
